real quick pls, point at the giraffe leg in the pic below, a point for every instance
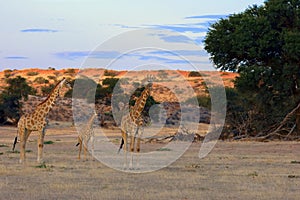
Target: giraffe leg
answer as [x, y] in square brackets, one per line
[85, 149]
[124, 137]
[40, 146]
[93, 146]
[138, 146]
[22, 135]
[132, 141]
[80, 147]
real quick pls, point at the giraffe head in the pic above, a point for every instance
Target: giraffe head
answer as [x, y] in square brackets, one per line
[150, 78]
[63, 83]
[49, 101]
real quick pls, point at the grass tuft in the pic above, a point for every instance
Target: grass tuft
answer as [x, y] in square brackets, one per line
[163, 149]
[42, 166]
[48, 142]
[254, 174]
[295, 162]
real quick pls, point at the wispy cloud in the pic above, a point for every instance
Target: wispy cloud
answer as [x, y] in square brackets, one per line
[38, 30]
[207, 17]
[176, 39]
[15, 57]
[125, 26]
[182, 29]
[73, 55]
[171, 57]
[180, 53]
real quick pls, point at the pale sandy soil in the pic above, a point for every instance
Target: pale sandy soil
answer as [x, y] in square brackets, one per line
[233, 170]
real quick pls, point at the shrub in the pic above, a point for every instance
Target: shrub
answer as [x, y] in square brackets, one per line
[110, 73]
[52, 78]
[194, 74]
[40, 80]
[70, 71]
[32, 73]
[7, 73]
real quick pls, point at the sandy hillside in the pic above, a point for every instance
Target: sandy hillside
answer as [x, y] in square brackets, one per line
[40, 77]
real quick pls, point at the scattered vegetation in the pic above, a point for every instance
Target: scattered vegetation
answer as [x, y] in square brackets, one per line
[41, 80]
[32, 73]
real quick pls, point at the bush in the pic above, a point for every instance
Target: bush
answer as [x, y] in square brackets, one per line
[110, 73]
[40, 80]
[194, 74]
[47, 89]
[203, 101]
[52, 78]
[10, 105]
[32, 73]
[7, 73]
[70, 71]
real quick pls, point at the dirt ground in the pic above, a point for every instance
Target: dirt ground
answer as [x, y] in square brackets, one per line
[233, 170]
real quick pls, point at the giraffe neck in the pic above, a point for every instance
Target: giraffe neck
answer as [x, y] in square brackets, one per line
[91, 120]
[44, 107]
[139, 105]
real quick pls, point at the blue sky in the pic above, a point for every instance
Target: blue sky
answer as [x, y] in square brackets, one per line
[97, 33]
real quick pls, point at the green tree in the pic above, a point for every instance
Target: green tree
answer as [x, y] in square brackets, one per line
[149, 102]
[84, 89]
[47, 89]
[263, 45]
[16, 90]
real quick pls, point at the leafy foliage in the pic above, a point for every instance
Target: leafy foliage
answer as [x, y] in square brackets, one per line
[47, 89]
[10, 105]
[149, 102]
[263, 45]
[84, 89]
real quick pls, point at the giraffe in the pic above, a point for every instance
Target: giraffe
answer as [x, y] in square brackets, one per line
[86, 135]
[131, 124]
[36, 121]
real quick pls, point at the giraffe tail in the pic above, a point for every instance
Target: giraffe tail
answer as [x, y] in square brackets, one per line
[79, 141]
[15, 142]
[121, 145]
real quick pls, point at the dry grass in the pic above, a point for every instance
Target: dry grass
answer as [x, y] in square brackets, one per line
[233, 170]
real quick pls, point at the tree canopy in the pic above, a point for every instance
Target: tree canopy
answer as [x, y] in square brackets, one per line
[10, 98]
[263, 45]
